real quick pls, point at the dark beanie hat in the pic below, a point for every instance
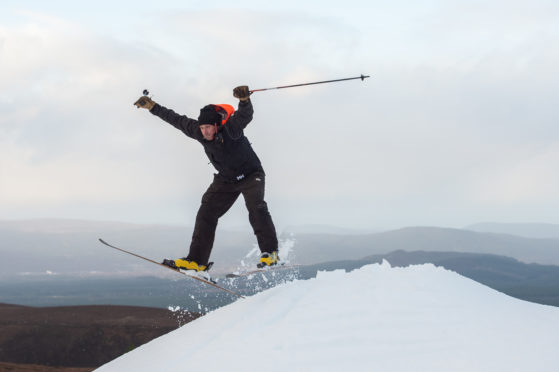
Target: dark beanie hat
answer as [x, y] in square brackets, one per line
[208, 115]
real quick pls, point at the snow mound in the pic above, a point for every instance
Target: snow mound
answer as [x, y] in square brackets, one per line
[375, 318]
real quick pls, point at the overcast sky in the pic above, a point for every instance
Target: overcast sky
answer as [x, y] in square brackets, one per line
[459, 122]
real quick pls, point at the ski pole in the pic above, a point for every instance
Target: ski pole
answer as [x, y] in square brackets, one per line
[362, 77]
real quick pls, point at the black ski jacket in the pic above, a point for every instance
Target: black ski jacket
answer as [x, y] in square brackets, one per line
[230, 152]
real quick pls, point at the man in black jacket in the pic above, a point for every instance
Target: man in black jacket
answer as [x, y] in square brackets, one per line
[220, 131]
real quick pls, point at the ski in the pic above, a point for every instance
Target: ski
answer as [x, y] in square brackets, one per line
[260, 270]
[206, 281]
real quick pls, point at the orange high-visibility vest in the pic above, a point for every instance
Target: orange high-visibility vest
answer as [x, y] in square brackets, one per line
[225, 111]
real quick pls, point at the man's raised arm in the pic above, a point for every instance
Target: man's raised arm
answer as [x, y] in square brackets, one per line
[181, 122]
[240, 119]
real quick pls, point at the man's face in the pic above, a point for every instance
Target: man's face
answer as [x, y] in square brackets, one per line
[208, 131]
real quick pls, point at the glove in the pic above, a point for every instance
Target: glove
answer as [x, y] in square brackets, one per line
[144, 102]
[241, 92]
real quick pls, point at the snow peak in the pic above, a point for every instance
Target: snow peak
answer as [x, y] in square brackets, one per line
[240, 177]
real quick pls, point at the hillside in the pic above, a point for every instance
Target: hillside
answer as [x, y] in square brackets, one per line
[79, 336]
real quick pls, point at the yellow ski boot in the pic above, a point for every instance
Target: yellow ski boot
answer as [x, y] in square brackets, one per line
[184, 264]
[268, 259]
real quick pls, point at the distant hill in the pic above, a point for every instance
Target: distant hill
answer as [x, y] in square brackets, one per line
[527, 230]
[66, 247]
[72, 247]
[326, 229]
[310, 248]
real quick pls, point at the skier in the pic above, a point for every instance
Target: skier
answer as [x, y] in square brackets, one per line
[220, 131]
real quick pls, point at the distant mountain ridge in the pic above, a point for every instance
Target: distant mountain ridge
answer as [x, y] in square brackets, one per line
[527, 230]
[309, 247]
[72, 248]
[327, 229]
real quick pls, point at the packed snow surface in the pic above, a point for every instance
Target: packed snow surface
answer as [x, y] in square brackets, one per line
[377, 318]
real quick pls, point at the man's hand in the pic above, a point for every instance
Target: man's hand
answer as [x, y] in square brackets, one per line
[144, 102]
[242, 93]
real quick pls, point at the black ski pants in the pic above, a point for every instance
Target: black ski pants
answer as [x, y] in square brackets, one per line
[217, 200]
